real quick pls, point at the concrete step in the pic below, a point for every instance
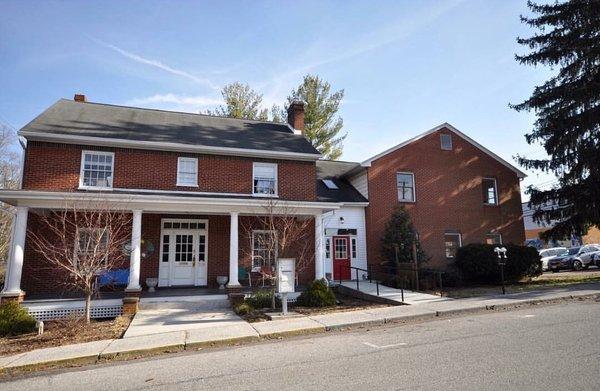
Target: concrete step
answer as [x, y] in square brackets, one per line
[199, 302]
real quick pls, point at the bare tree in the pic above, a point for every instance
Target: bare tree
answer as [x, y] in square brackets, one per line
[83, 243]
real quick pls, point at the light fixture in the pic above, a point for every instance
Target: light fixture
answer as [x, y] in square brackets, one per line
[341, 220]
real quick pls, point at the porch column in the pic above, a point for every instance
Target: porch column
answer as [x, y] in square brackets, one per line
[136, 239]
[319, 243]
[233, 251]
[12, 288]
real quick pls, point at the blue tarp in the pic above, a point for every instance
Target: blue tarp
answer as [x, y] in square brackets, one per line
[114, 277]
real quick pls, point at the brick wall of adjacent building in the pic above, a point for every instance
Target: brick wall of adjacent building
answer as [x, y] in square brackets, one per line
[56, 167]
[448, 196]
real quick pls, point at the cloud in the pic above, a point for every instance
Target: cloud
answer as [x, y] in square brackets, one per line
[158, 64]
[175, 102]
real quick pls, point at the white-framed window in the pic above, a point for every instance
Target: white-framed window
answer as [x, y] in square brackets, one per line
[446, 141]
[353, 247]
[493, 238]
[452, 241]
[97, 169]
[187, 171]
[490, 191]
[340, 246]
[405, 182]
[90, 241]
[264, 179]
[327, 248]
[264, 249]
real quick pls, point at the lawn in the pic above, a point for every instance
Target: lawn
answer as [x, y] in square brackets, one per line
[65, 332]
[545, 281]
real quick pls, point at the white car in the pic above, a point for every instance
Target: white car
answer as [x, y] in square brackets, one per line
[549, 253]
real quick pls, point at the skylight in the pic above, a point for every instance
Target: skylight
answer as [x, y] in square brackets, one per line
[330, 184]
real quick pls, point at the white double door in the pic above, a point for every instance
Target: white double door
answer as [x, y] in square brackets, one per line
[187, 256]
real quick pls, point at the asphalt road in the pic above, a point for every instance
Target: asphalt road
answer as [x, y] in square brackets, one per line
[541, 348]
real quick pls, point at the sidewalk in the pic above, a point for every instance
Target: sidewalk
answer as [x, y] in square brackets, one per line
[229, 334]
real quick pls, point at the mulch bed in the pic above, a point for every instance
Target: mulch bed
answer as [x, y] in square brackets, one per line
[66, 331]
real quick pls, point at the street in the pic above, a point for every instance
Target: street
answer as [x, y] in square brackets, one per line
[539, 348]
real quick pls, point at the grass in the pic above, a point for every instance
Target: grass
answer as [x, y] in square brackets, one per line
[545, 281]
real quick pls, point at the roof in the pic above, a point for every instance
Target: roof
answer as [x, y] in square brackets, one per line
[451, 128]
[132, 126]
[335, 171]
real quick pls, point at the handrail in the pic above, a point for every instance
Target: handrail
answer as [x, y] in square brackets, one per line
[370, 277]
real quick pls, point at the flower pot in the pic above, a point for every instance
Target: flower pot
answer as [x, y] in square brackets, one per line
[151, 283]
[222, 280]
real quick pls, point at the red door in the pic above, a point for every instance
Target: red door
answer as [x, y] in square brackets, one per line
[341, 257]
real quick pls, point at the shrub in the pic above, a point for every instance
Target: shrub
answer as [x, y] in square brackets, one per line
[243, 309]
[15, 320]
[478, 263]
[260, 299]
[318, 294]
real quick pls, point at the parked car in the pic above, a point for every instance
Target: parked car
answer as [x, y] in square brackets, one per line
[550, 253]
[575, 258]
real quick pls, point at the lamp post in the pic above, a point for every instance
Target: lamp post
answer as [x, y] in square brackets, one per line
[501, 251]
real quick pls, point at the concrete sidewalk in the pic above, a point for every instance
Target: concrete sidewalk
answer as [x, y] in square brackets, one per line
[410, 297]
[228, 334]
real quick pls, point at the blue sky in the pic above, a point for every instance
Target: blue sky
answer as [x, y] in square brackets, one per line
[406, 66]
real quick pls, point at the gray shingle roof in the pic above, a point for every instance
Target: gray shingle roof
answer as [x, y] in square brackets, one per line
[335, 171]
[70, 118]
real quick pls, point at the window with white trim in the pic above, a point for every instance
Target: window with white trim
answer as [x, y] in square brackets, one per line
[96, 169]
[264, 179]
[353, 247]
[264, 249]
[327, 248]
[452, 241]
[405, 181]
[187, 171]
[493, 238]
[91, 243]
[490, 192]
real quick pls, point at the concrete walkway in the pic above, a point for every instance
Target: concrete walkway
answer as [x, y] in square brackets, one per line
[231, 332]
[410, 297]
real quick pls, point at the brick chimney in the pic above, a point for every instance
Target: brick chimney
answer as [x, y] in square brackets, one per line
[296, 115]
[79, 98]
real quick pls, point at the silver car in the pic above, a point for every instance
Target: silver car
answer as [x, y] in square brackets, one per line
[549, 253]
[586, 256]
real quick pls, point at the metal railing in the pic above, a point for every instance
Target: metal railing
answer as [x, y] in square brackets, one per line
[369, 277]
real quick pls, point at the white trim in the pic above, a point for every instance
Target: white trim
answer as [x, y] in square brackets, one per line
[495, 191]
[182, 192]
[255, 165]
[445, 125]
[165, 146]
[414, 191]
[261, 231]
[193, 160]
[459, 242]
[112, 168]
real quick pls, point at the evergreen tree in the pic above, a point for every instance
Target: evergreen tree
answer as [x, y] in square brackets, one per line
[568, 113]
[321, 125]
[398, 239]
[242, 102]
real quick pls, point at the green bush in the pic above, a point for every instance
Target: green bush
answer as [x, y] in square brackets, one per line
[243, 309]
[260, 299]
[478, 263]
[318, 294]
[15, 320]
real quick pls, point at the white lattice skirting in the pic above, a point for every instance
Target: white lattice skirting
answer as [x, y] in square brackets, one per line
[56, 309]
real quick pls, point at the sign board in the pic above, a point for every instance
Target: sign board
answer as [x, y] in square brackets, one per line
[286, 275]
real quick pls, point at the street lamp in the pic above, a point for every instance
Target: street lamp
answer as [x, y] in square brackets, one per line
[501, 251]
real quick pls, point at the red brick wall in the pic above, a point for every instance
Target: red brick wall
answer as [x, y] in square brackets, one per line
[448, 196]
[56, 167]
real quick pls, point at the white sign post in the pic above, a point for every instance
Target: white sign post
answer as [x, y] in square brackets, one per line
[286, 280]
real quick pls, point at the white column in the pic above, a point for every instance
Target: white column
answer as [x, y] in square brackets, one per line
[233, 251]
[319, 243]
[136, 251]
[16, 252]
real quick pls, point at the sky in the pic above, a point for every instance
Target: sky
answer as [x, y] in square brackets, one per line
[405, 66]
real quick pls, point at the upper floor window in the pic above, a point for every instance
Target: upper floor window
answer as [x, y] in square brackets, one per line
[446, 142]
[493, 238]
[187, 171]
[452, 241]
[490, 192]
[97, 169]
[405, 182]
[264, 178]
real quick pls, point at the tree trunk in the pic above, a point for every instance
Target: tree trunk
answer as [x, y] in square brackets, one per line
[88, 305]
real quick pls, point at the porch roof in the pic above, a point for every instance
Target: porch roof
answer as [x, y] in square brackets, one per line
[176, 202]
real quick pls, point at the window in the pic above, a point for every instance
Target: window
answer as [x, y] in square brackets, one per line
[264, 249]
[327, 248]
[452, 242]
[490, 196]
[353, 247]
[96, 169]
[406, 186]
[91, 244]
[265, 179]
[165, 248]
[330, 184]
[493, 238]
[446, 142]
[187, 171]
[341, 248]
